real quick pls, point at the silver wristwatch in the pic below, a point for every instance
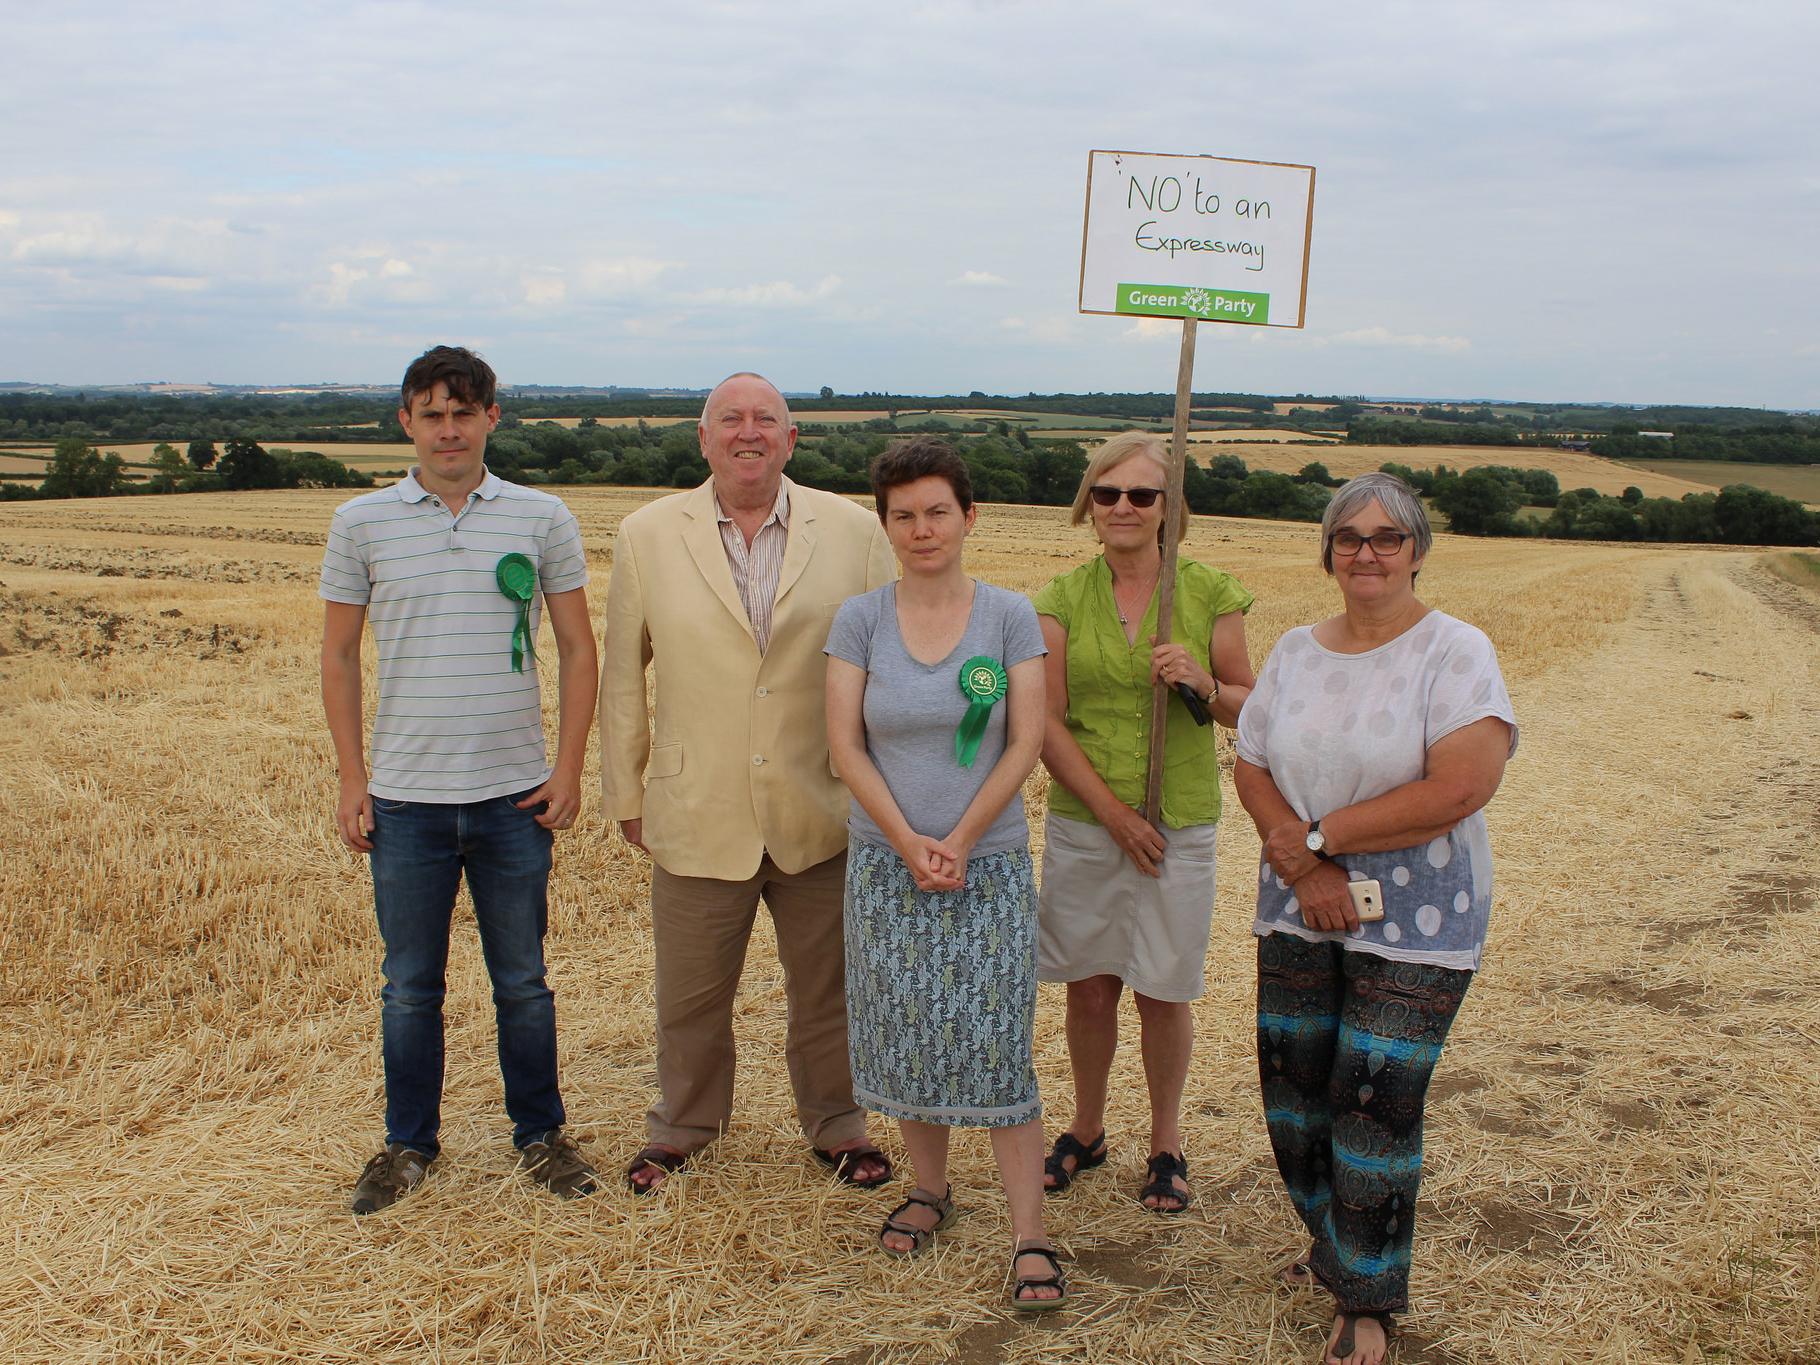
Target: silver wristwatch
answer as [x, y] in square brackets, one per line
[1316, 841]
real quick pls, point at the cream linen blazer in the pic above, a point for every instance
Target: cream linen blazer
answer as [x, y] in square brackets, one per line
[734, 763]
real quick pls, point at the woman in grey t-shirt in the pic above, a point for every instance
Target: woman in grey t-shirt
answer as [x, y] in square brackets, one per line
[1367, 752]
[935, 718]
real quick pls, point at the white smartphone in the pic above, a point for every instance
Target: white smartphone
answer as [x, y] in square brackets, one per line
[1367, 900]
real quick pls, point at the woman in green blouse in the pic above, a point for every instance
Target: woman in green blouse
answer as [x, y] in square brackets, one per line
[1128, 901]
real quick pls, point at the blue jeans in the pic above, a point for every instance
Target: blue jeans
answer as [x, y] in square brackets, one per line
[420, 851]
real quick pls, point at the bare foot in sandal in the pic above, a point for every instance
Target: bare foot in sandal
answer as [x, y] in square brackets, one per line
[1357, 1339]
[1167, 1190]
[1038, 1282]
[1298, 1274]
[652, 1166]
[908, 1227]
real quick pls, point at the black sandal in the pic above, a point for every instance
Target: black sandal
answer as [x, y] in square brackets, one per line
[1164, 1167]
[1068, 1147]
[919, 1237]
[1019, 1283]
[1343, 1345]
[844, 1162]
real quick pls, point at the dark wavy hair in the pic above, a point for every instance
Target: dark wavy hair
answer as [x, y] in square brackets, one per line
[919, 457]
[470, 379]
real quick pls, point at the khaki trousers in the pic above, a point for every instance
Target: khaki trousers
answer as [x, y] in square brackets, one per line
[701, 926]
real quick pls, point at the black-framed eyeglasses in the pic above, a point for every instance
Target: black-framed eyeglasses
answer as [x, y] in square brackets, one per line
[1107, 496]
[1383, 543]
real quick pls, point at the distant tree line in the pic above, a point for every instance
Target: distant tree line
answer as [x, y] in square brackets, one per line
[1007, 465]
[1483, 501]
[318, 419]
[328, 419]
[77, 469]
[1790, 441]
[1399, 431]
[1779, 444]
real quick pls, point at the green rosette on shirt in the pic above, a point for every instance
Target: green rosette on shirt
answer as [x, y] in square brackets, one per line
[983, 685]
[517, 578]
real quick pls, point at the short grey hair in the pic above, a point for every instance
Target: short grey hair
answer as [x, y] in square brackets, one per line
[1402, 504]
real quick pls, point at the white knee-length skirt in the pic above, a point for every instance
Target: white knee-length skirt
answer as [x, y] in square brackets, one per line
[1099, 916]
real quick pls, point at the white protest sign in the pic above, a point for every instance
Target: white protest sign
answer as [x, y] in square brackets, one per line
[1201, 237]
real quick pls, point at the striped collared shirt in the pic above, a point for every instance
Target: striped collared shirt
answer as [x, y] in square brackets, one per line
[757, 568]
[456, 722]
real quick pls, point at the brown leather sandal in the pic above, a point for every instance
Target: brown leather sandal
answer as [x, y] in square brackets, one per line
[919, 1237]
[1020, 1283]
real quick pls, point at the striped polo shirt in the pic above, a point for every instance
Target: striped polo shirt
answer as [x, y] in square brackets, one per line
[455, 722]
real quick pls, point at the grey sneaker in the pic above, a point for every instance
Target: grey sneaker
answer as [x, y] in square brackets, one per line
[395, 1171]
[557, 1164]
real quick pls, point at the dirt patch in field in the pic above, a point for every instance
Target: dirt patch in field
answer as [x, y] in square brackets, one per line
[88, 630]
[1781, 595]
[1623, 990]
[1541, 1227]
[110, 563]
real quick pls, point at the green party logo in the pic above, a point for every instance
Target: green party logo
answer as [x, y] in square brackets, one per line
[517, 579]
[983, 683]
[1192, 301]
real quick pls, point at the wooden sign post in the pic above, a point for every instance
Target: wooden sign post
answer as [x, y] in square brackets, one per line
[1203, 239]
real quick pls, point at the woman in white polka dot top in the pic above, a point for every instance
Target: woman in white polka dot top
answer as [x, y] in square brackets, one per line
[1367, 751]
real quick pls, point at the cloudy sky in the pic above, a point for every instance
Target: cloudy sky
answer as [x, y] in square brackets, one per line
[1616, 200]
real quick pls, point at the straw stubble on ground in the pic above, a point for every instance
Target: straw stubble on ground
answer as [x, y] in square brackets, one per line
[1622, 1144]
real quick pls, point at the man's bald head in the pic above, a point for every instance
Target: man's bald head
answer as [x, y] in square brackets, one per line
[715, 393]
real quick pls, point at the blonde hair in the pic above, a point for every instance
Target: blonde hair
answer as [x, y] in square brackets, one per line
[1128, 445]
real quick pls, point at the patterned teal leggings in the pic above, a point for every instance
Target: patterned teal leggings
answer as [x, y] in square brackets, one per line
[1346, 1045]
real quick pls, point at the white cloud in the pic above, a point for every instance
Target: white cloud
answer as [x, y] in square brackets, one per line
[545, 289]
[1054, 330]
[1383, 336]
[615, 276]
[338, 289]
[777, 294]
[1149, 329]
[696, 201]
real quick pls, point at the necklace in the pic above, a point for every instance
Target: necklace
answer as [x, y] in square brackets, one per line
[1123, 619]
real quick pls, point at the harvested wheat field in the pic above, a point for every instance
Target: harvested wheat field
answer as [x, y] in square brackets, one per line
[1624, 1135]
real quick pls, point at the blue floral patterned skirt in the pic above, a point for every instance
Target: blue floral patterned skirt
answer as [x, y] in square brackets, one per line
[941, 990]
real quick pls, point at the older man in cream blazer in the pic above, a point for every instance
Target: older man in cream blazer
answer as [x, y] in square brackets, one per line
[728, 590]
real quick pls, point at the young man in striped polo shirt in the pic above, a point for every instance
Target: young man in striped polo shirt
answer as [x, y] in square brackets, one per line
[453, 567]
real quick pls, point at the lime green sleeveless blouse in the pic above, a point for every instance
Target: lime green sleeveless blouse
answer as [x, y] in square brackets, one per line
[1109, 688]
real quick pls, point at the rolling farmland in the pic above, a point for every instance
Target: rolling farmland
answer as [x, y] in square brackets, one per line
[1622, 1130]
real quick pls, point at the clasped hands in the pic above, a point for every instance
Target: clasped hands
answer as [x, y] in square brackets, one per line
[1320, 884]
[935, 864]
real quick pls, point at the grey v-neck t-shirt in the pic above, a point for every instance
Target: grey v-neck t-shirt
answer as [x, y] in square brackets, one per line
[913, 709]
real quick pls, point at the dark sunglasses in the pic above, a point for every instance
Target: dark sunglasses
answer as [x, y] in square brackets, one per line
[1109, 497]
